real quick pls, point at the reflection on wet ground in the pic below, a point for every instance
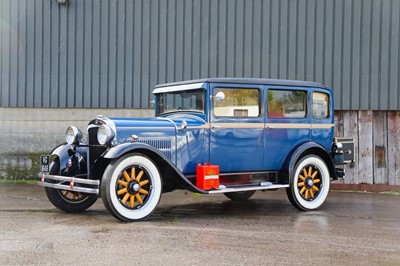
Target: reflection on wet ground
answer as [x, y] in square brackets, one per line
[192, 229]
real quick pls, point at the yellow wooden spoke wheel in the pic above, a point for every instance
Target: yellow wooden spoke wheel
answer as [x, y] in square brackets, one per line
[133, 189]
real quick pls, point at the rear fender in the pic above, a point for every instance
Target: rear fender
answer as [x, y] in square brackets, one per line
[301, 151]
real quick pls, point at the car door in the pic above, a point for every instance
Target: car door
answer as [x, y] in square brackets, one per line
[236, 127]
[287, 123]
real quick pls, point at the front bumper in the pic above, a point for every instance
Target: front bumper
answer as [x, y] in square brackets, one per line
[69, 183]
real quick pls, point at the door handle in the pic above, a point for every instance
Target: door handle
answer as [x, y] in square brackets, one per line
[215, 127]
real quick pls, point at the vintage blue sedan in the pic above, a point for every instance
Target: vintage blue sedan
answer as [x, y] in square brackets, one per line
[261, 134]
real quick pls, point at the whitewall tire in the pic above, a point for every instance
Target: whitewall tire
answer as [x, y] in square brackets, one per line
[131, 187]
[309, 185]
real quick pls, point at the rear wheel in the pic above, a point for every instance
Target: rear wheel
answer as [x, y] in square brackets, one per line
[131, 187]
[240, 196]
[68, 201]
[309, 186]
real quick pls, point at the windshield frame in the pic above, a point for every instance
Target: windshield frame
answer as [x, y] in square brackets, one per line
[200, 103]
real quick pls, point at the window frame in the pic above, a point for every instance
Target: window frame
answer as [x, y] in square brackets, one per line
[329, 108]
[259, 102]
[286, 89]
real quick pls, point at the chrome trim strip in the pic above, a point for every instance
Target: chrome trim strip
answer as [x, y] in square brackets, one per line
[267, 125]
[246, 188]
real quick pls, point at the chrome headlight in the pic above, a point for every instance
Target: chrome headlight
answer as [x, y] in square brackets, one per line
[73, 135]
[105, 134]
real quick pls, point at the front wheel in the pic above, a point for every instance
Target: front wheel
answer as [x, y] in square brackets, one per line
[68, 201]
[131, 187]
[309, 186]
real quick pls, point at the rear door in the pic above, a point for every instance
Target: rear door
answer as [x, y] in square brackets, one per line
[287, 123]
[236, 127]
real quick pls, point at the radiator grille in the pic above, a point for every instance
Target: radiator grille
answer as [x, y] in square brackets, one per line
[95, 150]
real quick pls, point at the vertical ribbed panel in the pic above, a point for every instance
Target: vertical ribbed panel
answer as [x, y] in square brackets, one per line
[111, 53]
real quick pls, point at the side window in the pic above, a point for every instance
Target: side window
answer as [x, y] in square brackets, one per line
[236, 102]
[287, 104]
[320, 105]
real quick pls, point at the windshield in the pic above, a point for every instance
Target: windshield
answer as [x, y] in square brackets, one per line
[180, 101]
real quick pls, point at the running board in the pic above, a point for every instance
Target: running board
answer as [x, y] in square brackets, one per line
[73, 183]
[261, 186]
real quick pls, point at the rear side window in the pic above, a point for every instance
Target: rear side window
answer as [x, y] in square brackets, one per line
[287, 104]
[236, 102]
[320, 105]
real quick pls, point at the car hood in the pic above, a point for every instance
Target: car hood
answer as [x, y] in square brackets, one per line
[145, 128]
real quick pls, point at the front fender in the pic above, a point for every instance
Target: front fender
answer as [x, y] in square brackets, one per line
[72, 160]
[172, 176]
[303, 150]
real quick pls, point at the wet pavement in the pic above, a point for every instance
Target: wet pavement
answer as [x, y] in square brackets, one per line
[190, 229]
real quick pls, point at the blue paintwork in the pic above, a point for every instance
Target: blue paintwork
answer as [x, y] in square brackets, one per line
[237, 149]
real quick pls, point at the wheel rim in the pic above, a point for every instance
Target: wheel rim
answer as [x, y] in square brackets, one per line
[133, 187]
[309, 182]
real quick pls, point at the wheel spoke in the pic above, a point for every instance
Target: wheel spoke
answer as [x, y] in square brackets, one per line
[139, 176]
[314, 174]
[306, 196]
[132, 201]
[126, 197]
[309, 171]
[133, 174]
[145, 182]
[66, 193]
[305, 172]
[312, 193]
[302, 190]
[144, 192]
[302, 178]
[301, 184]
[139, 199]
[315, 188]
[317, 181]
[122, 191]
[73, 196]
[127, 178]
[122, 183]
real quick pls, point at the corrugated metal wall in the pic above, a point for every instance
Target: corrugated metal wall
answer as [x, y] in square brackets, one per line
[110, 53]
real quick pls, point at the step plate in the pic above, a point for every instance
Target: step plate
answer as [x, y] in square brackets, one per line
[247, 188]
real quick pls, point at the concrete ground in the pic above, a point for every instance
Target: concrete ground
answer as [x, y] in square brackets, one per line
[189, 229]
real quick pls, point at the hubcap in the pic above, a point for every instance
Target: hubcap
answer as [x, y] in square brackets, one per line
[133, 187]
[309, 182]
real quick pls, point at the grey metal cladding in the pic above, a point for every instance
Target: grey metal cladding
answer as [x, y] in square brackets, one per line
[112, 53]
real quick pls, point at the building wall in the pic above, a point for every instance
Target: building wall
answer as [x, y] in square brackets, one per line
[111, 53]
[64, 64]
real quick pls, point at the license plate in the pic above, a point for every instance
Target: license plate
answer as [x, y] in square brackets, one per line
[44, 163]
